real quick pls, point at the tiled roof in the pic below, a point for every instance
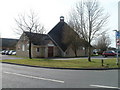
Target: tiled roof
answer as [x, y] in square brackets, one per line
[38, 39]
[58, 34]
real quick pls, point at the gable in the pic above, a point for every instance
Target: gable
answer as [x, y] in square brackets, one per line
[60, 33]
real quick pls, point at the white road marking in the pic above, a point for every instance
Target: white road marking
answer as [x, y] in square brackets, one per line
[104, 86]
[34, 77]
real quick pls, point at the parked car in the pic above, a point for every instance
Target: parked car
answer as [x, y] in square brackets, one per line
[14, 53]
[6, 52]
[109, 53]
[3, 52]
[10, 52]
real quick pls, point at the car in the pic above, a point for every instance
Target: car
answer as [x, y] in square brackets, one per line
[14, 53]
[109, 53]
[3, 52]
[6, 52]
[10, 52]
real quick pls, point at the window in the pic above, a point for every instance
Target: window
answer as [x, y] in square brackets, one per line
[83, 48]
[27, 47]
[23, 47]
[38, 49]
[18, 48]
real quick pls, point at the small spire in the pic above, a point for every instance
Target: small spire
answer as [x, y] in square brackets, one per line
[61, 19]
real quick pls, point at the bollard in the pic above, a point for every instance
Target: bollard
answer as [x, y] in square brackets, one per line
[102, 62]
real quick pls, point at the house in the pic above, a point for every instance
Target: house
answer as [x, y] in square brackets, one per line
[40, 45]
[8, 43]
[57, 43]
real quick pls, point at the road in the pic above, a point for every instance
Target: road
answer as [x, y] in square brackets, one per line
[14, 76]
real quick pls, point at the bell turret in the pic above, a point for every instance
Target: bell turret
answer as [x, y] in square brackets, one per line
[61, 19]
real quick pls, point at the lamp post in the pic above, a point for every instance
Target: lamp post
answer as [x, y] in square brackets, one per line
[117, 35]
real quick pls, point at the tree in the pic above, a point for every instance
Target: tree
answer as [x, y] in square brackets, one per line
[88, 20]
[29, 23]
[72, 39]
[103, 42]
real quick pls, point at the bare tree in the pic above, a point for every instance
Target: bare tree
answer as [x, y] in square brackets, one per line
[88, 20]
[72, 39]
[29, 23]
[103, 42]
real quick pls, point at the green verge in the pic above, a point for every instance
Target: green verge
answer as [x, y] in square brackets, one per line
[77, 63]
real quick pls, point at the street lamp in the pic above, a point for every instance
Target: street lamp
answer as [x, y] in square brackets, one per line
[117, 35]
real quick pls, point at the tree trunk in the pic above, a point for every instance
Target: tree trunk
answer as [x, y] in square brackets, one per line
[75, 53]
[89, 53]
[85, 51]
[30, 57]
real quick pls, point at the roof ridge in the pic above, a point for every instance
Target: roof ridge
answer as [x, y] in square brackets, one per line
[34, 33]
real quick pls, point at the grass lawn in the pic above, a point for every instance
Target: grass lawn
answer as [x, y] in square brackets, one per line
[78, 63]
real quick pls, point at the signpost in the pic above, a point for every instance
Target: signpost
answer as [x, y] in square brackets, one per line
[117, 45]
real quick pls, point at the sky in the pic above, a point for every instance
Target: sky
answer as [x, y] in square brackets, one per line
[49, 12]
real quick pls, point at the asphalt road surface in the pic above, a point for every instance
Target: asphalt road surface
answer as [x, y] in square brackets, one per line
[14, 76]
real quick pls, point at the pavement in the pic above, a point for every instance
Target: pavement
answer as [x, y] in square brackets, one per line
[93, 57]
[3, 57]
[14, 76]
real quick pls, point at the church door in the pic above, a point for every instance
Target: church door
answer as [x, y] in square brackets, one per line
[50, 51]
